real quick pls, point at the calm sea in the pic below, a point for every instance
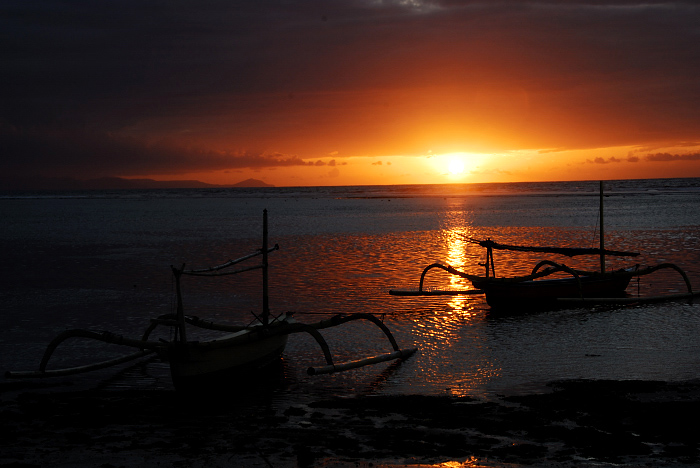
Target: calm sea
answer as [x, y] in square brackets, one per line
[101, 260]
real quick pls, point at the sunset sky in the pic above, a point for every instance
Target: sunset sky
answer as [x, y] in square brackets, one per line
[323, 92]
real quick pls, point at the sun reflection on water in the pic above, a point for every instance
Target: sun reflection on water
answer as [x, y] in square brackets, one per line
[450, 329]
[457, 258]
[471, 462]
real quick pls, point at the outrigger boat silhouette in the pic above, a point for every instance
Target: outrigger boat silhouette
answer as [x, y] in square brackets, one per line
[243, 349]
[540, 289]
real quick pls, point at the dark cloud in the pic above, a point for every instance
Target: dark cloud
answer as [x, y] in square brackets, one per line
[663, 157]
[52, 153]
[131, 87]
[657, 157]
[600, 160]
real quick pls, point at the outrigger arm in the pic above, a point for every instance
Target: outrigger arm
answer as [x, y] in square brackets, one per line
[149, 347]
[336, 320]
[146, 348]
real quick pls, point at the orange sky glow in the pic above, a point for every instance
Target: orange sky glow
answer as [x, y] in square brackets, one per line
[352, 92]
[449, 168]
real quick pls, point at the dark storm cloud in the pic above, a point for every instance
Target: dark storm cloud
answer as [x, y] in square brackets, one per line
[83, 79]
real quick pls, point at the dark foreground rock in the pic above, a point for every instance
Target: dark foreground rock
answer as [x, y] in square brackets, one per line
[578, 423]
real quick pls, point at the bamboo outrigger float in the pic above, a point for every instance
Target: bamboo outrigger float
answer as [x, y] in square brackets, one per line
[242, 350]
[540, 290]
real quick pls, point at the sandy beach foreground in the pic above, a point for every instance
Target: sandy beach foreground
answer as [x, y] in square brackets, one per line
[575, 423]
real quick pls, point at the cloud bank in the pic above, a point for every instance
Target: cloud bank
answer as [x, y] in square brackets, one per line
[137, 87]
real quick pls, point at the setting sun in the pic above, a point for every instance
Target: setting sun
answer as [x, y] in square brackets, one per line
[458, 165]
[455, 166]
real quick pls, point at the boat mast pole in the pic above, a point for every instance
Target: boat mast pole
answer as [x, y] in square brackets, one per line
[602, 232]
[266, 307]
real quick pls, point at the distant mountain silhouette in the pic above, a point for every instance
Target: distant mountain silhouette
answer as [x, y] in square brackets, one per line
[114, 183]
[252, 183]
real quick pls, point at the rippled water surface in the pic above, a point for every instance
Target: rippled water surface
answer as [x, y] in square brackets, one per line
[100, 260]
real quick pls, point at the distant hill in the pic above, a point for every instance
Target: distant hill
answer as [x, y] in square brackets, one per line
[252, 183]
[114, 183]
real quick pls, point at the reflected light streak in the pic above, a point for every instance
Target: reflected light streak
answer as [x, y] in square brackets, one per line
[451, 329]
[471, 462]
[457, 258]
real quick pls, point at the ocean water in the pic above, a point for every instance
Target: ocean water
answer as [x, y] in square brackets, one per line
[100, 260]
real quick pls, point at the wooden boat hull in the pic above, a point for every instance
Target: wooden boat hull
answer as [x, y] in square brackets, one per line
[504, 294]
[198, 363]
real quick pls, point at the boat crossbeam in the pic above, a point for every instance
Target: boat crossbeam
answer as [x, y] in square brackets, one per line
[170, 320]
[340, 319]
[331, 367]
[105, 336]
[556, 267]
[423, 291]
[145, 348]
[78, 369]
[690, 295]
[648, 270]
[447, 268]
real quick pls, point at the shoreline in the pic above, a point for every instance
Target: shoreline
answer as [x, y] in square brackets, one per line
[574, 423]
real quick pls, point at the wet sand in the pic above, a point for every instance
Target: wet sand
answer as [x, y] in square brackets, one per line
[575, 423]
